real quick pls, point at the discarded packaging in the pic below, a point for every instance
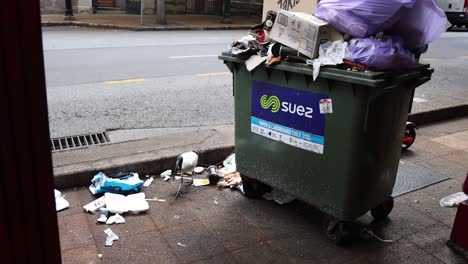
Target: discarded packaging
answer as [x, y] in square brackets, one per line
[213, 174]
[254, 61]
[60, 202]
[111, 237]
[201, 182]
[230, 162]
[388, 53]
[118, 204]
[198, 170]
[279, 196]
[95, 205]
[180, 244]
[115, 219]
[453, 199]
[330, 53]
[148, 182]
[126, 183]
[302, 32]
[103, 214]
[155, 200]
[166, 173]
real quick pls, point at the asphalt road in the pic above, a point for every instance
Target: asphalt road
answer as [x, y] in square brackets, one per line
[100, 80]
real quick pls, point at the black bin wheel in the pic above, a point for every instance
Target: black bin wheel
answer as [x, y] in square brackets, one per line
[338, 232]
[383, 210]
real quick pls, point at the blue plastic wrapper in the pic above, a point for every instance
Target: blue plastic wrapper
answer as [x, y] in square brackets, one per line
[388, 54]
[420, 25]
[129, 183]
[362, 18]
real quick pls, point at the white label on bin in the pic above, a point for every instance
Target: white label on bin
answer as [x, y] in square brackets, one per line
[326, 106]
[288, 115]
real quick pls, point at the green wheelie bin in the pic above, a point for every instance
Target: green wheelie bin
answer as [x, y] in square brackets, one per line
[334, 143]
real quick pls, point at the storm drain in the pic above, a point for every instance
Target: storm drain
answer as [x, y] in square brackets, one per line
[74, 142]
[412, 177]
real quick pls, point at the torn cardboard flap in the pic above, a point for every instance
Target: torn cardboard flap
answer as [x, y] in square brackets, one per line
[303, 32]
[303, 6]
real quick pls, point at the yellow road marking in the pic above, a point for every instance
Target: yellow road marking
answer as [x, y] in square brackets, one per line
[125, 81]
[429, 59]
[213, 74]
[464, 57]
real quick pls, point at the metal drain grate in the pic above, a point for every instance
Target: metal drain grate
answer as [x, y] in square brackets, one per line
[74, 142]
[412, 177]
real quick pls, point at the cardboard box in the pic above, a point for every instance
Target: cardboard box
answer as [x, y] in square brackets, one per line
[303, 6]
[302, 32]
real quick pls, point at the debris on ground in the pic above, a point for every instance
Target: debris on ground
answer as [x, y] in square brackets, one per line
[180, 244]
[198, 170]
[60, 202]
[231, 180]
[133, 203]
[453, 199]
[103, 215]
[111, 237]
[148, 182]
[201, 182]
[95, 205]
[156, 200]
[279, 196]
[115, 219]
[123, 183]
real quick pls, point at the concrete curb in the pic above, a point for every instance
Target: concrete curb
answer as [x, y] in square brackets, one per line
[437, 115]
[150, 163]
[142, 28]
[138, 163]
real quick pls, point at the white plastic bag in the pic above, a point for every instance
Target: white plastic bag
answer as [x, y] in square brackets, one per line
[453, 199]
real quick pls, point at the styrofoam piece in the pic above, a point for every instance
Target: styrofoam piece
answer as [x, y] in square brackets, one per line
[118, 204]
[95, 205]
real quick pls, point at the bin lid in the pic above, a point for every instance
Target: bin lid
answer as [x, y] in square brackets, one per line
[422, 73]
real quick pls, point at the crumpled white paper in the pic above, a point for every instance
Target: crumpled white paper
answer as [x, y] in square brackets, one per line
[330, 53]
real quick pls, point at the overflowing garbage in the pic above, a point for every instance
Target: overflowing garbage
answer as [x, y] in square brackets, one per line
[358, 35]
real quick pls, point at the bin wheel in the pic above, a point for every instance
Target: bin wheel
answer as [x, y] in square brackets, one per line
[336, 231]
[383, 210]
[254, 188]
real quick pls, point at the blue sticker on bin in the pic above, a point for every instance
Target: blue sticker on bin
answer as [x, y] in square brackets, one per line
[288, 115]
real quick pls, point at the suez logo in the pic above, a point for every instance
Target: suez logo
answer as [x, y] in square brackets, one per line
[276, 105]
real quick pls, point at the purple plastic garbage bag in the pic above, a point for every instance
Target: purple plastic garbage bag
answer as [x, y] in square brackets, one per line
[361, 18]
[420, 25]
[381, 55]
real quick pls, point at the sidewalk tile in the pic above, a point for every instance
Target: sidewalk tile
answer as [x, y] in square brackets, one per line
[171, 213]
[416, 155]
[444, 167]
[402, 251]
[432, 240]
[233, 230]
[134, 225]
[427, 200]
[460, 157]
[88, 254]
[452, 141]
[461, 135]
[196, 242]
[208, 203]
[402, 221]
[434, 148]
[149, 247]
[220, 259]
[261, 253]
[74, 232]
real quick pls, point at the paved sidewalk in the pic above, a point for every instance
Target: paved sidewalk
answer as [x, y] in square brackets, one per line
[132, 22]
[222, 226]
